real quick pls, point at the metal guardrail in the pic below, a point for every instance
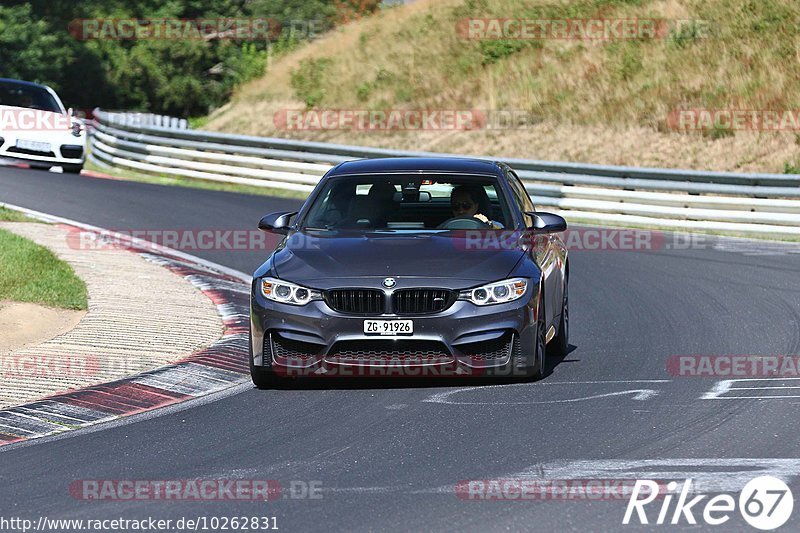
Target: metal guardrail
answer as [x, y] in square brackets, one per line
[146, 119]
[680, 199]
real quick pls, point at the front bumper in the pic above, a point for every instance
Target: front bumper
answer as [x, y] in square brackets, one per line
[465, 339]
[65, 149]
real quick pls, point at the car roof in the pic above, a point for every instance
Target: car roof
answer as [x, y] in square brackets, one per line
[22, 82]
[418, 164]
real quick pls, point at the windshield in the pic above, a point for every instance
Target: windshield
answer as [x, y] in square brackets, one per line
[29, 96]
[411, 203]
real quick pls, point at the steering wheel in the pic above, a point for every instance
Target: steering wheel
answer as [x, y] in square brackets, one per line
[463, 222]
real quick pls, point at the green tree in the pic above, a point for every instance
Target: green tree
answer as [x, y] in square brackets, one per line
[180, 77]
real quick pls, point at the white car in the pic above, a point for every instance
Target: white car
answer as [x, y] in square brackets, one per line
[36, 129]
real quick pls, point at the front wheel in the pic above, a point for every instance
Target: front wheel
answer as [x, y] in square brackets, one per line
[72, 169]
[528, 360]
[561, 341]
[262, 378]
[541, 339]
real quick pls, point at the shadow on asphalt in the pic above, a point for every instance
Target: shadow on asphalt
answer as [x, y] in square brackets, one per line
[553, 361]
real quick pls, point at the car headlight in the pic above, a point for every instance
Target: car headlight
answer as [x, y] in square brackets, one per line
[287, 293]
[77, 129]
[498, 292]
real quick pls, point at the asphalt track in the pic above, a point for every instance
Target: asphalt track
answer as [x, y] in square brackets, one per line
[388, 455]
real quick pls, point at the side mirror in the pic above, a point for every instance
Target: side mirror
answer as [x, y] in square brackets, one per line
[276, 222]
[547, 223]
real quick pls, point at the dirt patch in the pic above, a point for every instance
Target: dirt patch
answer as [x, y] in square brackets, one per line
[24, 325]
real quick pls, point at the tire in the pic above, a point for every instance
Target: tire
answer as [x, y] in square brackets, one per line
[72, 169]
[262, 378]
[561, 341]
[540, 348]
[526, 362]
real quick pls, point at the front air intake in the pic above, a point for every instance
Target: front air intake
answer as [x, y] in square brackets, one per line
[355, 301]
[422, 301]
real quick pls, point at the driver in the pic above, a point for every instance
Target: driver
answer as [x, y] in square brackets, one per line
[472, 201]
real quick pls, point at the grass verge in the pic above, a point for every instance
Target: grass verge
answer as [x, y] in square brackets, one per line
[8, 215]
[32, 273]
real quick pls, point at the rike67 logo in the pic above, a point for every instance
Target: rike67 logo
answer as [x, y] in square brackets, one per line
[765, 503]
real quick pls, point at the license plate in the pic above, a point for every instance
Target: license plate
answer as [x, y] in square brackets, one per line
[388, 327]
[35, 146]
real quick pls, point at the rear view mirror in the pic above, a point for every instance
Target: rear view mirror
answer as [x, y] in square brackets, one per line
[413, 196]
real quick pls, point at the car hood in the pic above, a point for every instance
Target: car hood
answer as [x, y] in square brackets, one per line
[324, 260]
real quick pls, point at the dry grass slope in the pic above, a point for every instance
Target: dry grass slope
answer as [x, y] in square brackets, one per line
[593, 101]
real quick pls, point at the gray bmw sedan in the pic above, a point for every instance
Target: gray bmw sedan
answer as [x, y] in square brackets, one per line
[411, 267]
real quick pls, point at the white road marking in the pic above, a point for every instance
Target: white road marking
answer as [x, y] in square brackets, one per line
[707, 475]
[716, 474]
[603, 382]
[71, 414]
[787, 397]
[191, 379]
[762, 388]
[722, 390]
[638, 394]
[755, 247]
[365, 490]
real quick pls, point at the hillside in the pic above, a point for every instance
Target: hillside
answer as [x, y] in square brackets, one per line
[603, 101]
